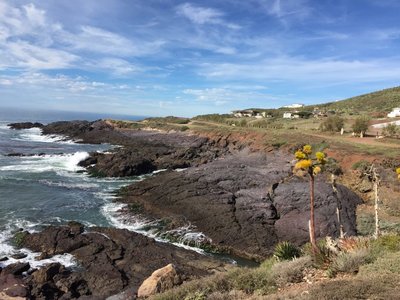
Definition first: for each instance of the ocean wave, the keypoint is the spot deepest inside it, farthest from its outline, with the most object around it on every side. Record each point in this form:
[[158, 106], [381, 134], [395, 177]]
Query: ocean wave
[[45, 163], [186, 237], [69, 185], [35, 135], [8, 250]]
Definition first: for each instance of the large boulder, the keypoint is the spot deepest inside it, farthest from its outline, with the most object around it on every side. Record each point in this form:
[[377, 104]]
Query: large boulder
[[12, 287], [160, 280], [292, 201], [243, 203]]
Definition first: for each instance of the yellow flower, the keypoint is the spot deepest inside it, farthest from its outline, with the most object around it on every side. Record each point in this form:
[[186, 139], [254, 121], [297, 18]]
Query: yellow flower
[[300, 155], [316, 170], [307, 149], [398, 171], [303, 164], [320, 156]]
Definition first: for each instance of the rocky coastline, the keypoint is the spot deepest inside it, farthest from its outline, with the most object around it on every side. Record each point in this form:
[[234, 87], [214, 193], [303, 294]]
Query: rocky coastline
[[242, 202]]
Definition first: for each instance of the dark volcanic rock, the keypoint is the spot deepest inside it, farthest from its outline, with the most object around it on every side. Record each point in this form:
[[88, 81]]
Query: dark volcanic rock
[[226, 199], [90, 132], [12, 286], [16, 269], [292, 202], [111, 260], [143, 151], [25, 125], [233, 202]]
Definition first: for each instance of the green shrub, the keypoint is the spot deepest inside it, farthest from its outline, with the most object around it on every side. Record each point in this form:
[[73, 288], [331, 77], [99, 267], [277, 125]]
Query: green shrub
[[286, 251], [390, 130], [349, 262], [290, 271], [387, 263], [323, 257], [361, 165], [184, 128], [332, 124], [386, 243]]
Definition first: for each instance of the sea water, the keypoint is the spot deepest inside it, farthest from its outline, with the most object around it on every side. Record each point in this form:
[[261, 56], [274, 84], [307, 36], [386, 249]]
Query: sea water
[[46, 186]]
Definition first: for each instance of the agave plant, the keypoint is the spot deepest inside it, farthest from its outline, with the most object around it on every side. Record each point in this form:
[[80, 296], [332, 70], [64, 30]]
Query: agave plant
[[286, 251]]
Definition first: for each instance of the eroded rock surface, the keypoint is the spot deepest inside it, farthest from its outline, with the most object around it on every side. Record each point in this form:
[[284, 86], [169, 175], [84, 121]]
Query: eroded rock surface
[[245, 202], [110, 261]]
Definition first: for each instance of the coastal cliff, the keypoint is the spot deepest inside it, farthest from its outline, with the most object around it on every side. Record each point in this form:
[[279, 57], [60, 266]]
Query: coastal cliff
[[237, 198]]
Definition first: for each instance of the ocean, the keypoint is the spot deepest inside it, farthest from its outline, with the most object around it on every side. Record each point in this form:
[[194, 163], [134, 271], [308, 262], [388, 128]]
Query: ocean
[[47, 187]]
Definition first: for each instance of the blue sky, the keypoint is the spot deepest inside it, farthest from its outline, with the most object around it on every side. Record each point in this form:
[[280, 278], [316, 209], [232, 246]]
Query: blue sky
[[168, 57]]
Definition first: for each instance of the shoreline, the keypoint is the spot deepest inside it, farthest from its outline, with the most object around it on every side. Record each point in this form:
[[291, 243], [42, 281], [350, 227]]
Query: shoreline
[[230, 185]]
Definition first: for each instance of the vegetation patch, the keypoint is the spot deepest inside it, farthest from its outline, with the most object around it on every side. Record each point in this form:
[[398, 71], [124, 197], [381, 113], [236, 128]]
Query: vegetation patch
[[18, 238], [286, 251]]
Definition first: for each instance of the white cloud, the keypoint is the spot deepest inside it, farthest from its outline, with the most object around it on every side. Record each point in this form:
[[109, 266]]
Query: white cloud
[[116, 65], [5, 82], [385, 34], [60, 83], [299, 70], [34, 15], [93, 39], [221, 96], [204, 15], [30, 41], [21, 54], [285, 9]]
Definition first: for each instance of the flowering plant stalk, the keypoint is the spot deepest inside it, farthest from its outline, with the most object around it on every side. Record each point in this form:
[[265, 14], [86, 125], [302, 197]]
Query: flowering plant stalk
[[311, 165]]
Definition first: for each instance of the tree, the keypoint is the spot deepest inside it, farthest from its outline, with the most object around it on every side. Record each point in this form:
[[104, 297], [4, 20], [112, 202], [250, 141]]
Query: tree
[[332, 123], [311, 165], [390, 130], [360, 125]]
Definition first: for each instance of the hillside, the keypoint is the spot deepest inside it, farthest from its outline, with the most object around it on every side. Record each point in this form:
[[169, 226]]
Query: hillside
[[380, 101]]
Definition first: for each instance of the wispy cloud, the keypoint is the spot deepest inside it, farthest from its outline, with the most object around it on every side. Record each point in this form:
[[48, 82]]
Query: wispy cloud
[[204, 15], [93, 39], [220, 96], [21, 54], [292, 69], [286, 8]]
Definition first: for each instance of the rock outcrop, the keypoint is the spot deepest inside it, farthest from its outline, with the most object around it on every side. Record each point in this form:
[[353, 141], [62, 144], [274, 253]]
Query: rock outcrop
[[12, 287], [110, 261], [25, 125], [245, 202]]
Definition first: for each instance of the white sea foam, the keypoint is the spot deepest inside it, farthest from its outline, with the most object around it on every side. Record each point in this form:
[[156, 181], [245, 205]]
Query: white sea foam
[[38, 164], [35, 135], [6, 249], [81, 186], [118, 217]]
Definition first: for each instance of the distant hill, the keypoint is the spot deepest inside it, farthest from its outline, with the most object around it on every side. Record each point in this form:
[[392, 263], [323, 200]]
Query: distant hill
[[380, 101]]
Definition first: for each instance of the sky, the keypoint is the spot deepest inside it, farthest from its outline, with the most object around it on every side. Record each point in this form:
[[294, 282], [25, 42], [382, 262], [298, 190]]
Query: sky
[[170, 57]]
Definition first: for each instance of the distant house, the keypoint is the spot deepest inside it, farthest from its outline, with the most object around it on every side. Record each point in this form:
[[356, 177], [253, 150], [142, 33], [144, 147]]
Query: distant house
[[291, 115], [317, 113], [287, 115], [394, 113], [243, 113]]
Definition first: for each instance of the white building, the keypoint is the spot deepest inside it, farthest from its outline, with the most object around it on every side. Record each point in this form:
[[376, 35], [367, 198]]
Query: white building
[[394, 113], [287, 115]]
